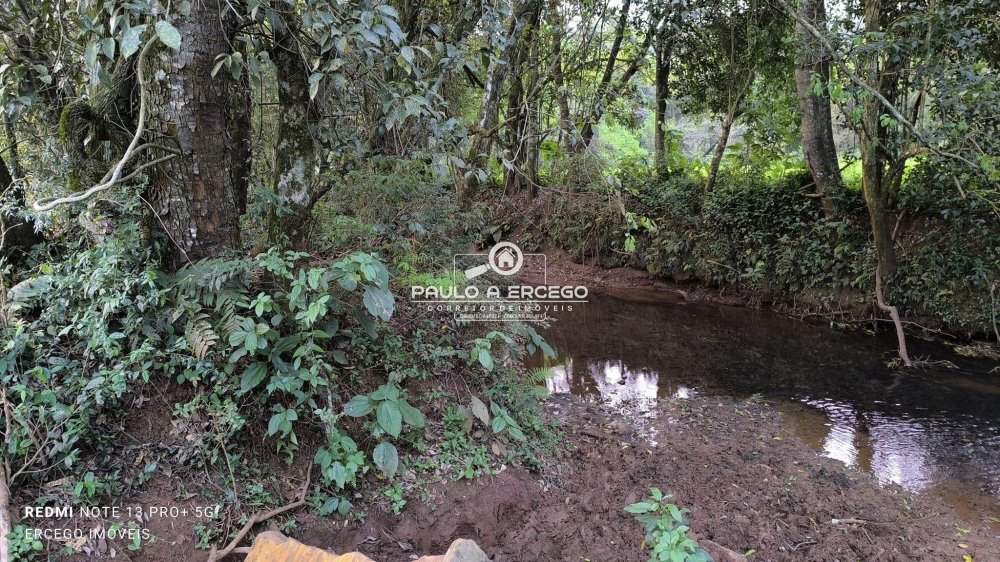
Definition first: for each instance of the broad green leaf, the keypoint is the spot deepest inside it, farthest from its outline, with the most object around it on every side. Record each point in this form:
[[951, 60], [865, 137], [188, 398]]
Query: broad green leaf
[[131, 39], [640, 507], [108, 47], [252, 376], [380, 303], [389, 418], [412, 416], [338, 474], [168, 34], [386, 459], [485, 359], [359, 406]]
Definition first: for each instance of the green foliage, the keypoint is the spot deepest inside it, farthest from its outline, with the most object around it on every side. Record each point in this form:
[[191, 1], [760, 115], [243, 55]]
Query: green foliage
[[23, 548], [666, 529], [765, 234]]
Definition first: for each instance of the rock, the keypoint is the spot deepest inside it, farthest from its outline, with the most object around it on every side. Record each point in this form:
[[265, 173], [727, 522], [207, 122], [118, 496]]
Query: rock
[[464, 550], [272, 546], [721, 553]]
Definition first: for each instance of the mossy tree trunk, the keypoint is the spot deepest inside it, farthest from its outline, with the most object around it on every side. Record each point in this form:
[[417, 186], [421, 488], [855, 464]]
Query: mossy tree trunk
[[195, 195], [488, 122], [521, 173], [18, 235], [296, 151], [818, 146]]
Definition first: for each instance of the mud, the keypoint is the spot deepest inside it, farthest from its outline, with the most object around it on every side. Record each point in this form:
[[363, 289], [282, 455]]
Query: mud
[[750, 484]]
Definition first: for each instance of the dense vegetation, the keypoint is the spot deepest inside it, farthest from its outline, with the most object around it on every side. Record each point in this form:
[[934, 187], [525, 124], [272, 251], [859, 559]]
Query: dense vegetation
[[211, 208]]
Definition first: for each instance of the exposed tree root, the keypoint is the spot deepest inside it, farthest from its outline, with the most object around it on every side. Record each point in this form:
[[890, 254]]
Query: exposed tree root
[[904, 356], [215, 555]]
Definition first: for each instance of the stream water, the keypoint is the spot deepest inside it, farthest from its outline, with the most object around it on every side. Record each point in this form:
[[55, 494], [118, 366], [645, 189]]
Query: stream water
[[934, 431]]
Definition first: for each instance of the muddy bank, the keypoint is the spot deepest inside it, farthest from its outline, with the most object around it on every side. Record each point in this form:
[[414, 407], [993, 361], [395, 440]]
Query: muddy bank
[[847, 308], [750, 484]]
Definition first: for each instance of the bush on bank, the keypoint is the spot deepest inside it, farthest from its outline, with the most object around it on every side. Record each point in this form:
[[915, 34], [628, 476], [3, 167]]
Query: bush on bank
[[770, 236]]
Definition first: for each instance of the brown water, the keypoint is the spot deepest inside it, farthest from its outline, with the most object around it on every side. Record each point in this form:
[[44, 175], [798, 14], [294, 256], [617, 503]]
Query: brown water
[[932, 431]]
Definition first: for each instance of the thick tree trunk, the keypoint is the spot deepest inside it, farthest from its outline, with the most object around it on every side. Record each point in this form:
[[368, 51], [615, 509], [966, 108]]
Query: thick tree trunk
[[520, 176], [196, 197], [295, 151], [817, 124]]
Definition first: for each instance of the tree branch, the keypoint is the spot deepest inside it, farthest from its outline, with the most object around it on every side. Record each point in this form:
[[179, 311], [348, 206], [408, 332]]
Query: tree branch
[[49, 203]]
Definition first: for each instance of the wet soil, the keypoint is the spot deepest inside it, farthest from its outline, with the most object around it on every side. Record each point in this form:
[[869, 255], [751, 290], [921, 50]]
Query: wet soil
[[750, 483]]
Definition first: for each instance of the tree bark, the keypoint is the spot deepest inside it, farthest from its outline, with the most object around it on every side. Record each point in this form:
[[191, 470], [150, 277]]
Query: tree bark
[[5, 525], [875, 183], [720, 146], [873, 154], [295, 152], [608, 89], [664, 52], [818, 147], [567, 131], [487, 124], [520, 175], [196, 196], [17, 236]]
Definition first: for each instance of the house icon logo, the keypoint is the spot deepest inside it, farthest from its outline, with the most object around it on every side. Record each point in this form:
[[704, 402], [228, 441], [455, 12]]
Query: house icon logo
[[505, 258]]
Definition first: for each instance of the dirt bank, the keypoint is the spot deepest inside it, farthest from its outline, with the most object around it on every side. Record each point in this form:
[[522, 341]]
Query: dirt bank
[[750, 484]]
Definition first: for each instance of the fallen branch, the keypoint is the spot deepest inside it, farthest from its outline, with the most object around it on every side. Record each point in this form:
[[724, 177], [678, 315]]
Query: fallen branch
[[216, 555]]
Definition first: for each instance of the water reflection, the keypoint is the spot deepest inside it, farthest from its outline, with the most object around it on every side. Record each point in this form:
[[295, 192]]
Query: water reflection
[[933, 431]]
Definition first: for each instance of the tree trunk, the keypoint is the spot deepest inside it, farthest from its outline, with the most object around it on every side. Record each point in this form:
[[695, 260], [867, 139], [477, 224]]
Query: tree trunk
[[567, 131], [196, 196], [874, 181], [5, 525], [720, 148], [817, 124], [664, 48], [295, 151], [16, 235], [489, 114], [873, 155], [519, 176], [604, 86]]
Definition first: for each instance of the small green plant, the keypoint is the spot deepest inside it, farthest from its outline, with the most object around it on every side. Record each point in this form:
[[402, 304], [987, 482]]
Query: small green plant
[[395, 494], [23, 547], [666, 530]]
